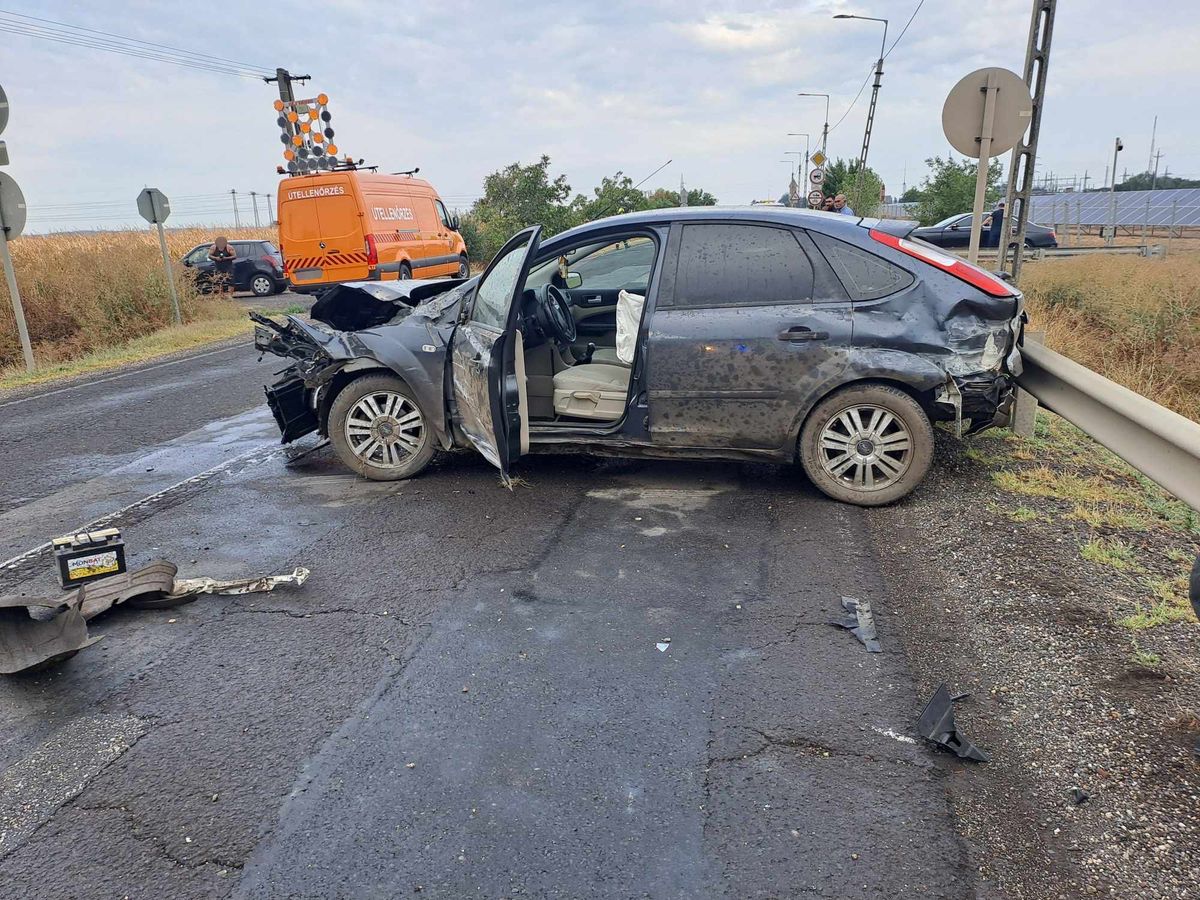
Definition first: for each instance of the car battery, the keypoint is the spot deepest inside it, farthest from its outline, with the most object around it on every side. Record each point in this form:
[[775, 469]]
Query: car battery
[[87, 556]]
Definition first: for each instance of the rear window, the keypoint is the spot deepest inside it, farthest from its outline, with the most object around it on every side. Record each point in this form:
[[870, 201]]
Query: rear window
[[864, 275], [741, 265]]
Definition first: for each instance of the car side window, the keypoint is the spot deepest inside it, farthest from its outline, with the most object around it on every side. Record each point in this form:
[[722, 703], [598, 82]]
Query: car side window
[[495, 293], [864, 275], [442, 214], [722, 264], [199, 255]]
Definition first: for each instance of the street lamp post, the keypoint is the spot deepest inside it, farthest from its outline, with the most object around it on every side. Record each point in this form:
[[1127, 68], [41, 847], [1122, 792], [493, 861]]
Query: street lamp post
[[825, 131], [805, 136], [862, 157], [1112, 196]]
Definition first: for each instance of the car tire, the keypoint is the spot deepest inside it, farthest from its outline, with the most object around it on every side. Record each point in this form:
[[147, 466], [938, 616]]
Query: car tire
[[405, 272], [262, 285], [368, 411], [852, 456], [464, 268]]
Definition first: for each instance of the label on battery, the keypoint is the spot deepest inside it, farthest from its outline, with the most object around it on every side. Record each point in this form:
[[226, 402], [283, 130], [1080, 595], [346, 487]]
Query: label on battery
[[95, 564]]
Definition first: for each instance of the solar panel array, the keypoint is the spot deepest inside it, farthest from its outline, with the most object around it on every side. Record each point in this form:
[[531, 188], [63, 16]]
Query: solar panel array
[[1180, 206]]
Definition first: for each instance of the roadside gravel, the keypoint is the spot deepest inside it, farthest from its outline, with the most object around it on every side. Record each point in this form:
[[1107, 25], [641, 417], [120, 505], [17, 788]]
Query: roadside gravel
[[1063, 694]]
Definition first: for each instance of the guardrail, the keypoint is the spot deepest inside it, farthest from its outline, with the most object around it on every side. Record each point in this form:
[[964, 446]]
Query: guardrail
[[1159, 443], [1034, 253]]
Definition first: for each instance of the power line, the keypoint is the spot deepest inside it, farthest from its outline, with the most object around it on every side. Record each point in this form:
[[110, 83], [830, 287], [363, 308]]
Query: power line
[[872, 71], [904, 29], [130, 40], [132, 47], [856, 96]]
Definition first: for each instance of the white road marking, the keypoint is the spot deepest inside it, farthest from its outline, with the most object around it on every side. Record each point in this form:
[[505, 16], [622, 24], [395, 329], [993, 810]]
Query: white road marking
[[894, 735], [33, 789], [109, 518], [74, 387]]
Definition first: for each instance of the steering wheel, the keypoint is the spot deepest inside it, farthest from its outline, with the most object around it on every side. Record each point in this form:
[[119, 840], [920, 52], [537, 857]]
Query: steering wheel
[[555, 317]]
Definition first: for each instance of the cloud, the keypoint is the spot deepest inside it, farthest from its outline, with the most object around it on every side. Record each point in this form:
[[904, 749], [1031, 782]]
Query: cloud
[[462, 88]]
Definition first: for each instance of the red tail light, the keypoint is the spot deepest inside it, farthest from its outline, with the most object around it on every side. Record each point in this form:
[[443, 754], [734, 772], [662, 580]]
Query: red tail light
[[270, 260], [372, 252], [959, 268]]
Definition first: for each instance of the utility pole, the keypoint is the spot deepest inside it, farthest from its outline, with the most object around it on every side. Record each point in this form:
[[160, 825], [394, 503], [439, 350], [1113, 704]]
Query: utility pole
[[284, 79], [1154, 177], [237, 221], [270, 212], [1112, 196], [254, 206], [1153, 135], [683, 197], [1085, 180], [1024, 156]]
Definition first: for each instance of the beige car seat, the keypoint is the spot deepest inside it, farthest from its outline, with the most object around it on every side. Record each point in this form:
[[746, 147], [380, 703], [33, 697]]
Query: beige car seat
[[597, 390]]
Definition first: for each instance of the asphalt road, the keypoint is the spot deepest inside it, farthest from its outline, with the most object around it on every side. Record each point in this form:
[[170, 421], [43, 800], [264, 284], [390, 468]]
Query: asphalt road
[[615, 680]]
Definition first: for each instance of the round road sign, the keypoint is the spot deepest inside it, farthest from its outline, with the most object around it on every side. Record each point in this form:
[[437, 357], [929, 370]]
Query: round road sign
[[962, 114], [3, 109], [815, 198], [816, 176], [12, 207]]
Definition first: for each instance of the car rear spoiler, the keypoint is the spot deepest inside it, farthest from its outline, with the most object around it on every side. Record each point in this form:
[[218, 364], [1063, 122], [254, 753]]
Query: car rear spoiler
[[900, 228]]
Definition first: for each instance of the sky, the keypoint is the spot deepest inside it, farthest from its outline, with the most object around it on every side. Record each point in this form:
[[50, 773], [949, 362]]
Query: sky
[[461, 89]]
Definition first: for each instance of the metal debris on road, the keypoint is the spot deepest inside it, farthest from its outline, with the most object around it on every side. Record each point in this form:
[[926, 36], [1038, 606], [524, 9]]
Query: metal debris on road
[[859, 621], [189, 587], [36, 632], [936, 724]]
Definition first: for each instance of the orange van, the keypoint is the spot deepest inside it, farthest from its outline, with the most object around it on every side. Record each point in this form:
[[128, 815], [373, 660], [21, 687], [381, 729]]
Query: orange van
[[360, 226]]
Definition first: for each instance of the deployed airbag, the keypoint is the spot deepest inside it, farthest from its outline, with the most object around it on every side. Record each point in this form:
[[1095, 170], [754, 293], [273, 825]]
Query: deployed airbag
[[629, 319]]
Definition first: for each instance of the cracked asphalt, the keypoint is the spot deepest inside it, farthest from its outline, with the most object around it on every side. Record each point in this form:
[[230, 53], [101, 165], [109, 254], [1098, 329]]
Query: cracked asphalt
[[468, 698]]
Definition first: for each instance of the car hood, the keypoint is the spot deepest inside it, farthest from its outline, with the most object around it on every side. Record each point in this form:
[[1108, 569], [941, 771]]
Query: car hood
[[366, 304]]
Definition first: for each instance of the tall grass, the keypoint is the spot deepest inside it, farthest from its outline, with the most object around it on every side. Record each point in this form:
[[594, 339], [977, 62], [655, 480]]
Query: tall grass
[[91, 291], [1132, 319]]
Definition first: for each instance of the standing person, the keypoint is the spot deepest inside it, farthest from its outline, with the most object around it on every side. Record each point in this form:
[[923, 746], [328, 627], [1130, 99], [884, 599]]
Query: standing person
[[222, 256], [995, 225], [839, 205], [827, 206]]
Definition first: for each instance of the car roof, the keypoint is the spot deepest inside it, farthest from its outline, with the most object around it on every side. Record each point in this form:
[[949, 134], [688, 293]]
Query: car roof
[[830, 223]]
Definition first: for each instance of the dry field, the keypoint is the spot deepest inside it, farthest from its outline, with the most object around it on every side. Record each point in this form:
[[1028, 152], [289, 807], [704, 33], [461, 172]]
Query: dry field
[[84, 292], [1134, 320]]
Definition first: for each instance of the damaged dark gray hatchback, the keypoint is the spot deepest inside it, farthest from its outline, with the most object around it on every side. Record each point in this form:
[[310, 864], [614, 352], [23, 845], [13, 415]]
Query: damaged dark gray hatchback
[[763, 334]]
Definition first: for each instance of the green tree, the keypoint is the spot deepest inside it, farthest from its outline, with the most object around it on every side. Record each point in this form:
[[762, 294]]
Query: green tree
[[949, 188], [913, 195], [615, 195], [1144, 180], [862, 194], [516, 197], [699, 197]]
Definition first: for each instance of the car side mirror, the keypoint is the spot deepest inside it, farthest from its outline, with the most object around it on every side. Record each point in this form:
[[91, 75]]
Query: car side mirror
[[574, 280], [187, 263], [954, 227], [455, 222]]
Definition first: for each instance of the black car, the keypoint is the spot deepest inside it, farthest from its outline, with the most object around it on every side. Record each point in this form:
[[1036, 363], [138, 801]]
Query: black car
[[758, 334], [257, 267], [954, 233]]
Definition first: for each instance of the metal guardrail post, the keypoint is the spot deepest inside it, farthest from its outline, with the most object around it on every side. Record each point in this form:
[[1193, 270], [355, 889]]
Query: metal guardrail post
[[1025, 405], [1161, 444]]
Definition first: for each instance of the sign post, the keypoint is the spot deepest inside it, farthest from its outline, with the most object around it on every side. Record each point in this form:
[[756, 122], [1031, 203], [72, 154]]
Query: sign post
[[154, 207], [12, 223], [985, 115]]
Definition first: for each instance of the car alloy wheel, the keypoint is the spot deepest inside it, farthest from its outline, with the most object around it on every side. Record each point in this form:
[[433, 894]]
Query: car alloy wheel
[[866, 448], [384, 429], [262, 286]]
